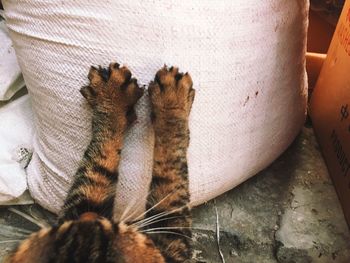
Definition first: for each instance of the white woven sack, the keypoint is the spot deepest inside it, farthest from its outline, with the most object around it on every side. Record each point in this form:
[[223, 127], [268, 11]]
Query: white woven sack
[[11, 79], [246, 58], [16, 132]]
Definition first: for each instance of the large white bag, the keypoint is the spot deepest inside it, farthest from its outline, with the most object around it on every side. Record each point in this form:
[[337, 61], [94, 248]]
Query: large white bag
[[246, 58], [11, 79], [16, 132]]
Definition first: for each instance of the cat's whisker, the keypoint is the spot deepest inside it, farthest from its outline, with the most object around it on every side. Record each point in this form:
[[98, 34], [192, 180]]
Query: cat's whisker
[[151, 217], [154, 219], [156, 205], [140, 223], [157, 221], [162, 214], [136, 209], [125, 217]]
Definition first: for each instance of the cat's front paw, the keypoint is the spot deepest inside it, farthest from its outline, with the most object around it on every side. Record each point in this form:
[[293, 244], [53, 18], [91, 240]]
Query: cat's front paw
[[112, 94], [171, 94]]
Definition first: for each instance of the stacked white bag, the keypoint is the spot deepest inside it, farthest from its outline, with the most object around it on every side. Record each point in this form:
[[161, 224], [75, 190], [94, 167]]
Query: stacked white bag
[[16, 125], [246, 58], [11, 79]]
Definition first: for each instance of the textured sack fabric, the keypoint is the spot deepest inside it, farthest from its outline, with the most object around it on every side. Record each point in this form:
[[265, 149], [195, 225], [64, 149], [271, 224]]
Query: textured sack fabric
[[246, 59]]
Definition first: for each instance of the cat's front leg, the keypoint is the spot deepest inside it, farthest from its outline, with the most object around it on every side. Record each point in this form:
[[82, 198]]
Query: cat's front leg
[[171, 95], [112, 94]]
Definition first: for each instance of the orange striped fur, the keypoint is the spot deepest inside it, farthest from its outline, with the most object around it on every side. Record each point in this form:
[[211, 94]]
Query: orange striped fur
[[86, 231]]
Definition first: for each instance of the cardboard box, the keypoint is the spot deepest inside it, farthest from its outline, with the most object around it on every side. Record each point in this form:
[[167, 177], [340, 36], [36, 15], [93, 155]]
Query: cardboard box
[[314, 63], [330, 109], [320, 33]]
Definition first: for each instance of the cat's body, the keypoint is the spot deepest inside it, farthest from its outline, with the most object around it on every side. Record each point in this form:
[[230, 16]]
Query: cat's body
[[86, 231]]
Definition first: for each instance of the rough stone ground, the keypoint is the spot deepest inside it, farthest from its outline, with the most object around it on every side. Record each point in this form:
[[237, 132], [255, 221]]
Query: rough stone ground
[[287, 213]]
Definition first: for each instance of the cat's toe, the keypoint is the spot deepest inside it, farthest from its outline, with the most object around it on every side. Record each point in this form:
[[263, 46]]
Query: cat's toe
[[171, 91], [119, 76]]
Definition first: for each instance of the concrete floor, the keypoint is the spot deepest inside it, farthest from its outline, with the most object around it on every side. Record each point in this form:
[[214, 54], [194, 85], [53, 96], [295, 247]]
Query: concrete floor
[[287, 213]]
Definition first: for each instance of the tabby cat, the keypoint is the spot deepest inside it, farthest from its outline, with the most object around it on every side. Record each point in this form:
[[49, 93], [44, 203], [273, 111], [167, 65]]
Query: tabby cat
[[85, 231]]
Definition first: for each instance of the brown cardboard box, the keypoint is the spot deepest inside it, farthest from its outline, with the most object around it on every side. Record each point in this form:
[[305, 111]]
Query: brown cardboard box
[[330, 109], [319, 34], [314, 63]]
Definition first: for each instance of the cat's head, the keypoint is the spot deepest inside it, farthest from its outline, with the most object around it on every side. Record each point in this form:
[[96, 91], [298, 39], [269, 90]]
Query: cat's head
[[89, 239]]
